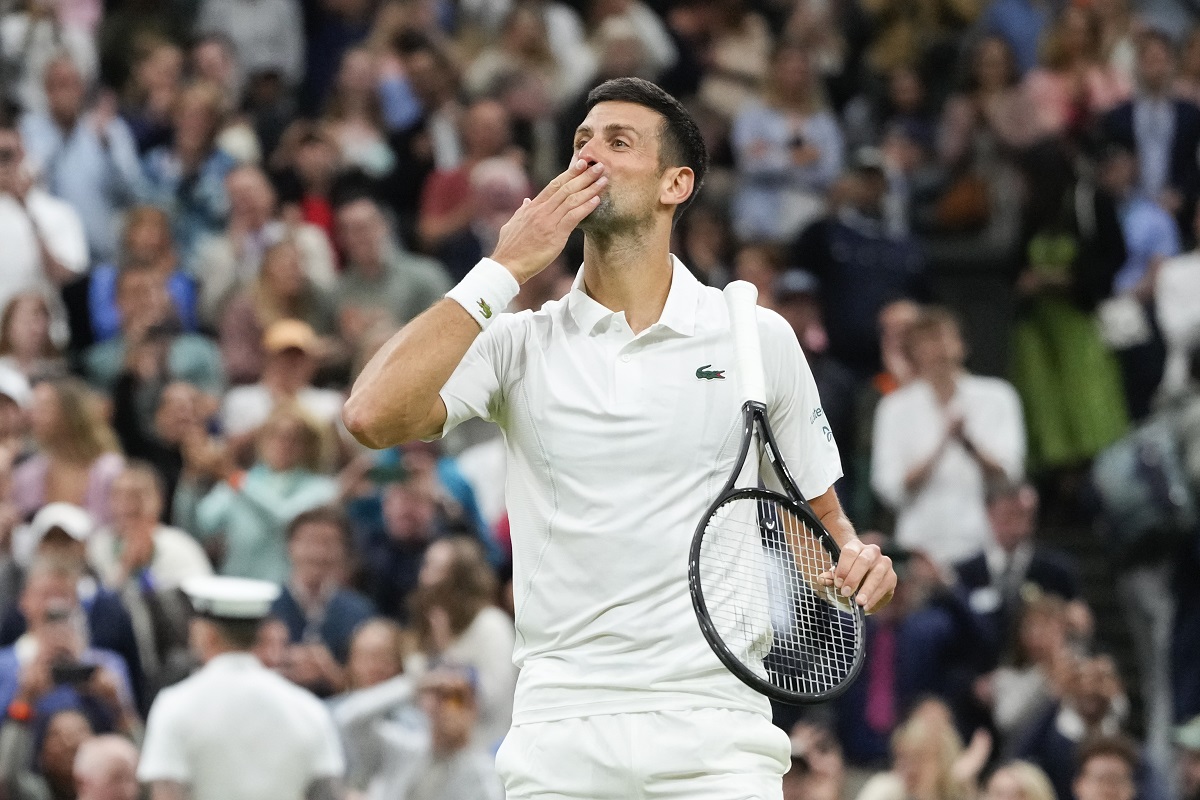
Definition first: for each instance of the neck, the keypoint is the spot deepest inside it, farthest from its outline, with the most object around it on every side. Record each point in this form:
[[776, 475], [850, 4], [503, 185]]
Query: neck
[[279, 382], [943, 384], [630, 274]]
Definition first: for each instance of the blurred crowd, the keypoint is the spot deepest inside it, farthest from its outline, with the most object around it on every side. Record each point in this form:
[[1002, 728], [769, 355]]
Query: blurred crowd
[[979, 216]]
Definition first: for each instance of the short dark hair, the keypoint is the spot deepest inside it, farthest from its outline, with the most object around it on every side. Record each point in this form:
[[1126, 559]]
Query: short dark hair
[[1116, 746], [681, 144], [240, 634], [322, 515]]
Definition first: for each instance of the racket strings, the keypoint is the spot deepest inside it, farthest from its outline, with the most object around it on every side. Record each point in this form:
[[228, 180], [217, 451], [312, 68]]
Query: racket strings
[[761, 568]]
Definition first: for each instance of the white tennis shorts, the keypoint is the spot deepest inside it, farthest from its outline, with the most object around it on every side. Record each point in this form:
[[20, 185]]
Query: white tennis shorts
[[705, 754]]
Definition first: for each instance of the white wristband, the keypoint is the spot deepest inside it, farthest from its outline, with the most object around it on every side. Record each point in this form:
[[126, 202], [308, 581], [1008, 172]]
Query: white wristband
[[485, 291]]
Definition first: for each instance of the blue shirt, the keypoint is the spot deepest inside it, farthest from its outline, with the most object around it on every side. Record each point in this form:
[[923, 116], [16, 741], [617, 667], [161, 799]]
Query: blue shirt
[[102, 301], [99, 179], [1150, 234], [198, 203]]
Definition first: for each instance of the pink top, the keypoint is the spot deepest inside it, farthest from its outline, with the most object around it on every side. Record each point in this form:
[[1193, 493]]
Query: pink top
[[29, 485], [1052, 97]]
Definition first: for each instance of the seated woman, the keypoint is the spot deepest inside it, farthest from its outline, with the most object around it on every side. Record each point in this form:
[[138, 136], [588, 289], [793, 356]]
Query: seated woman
[[249, 510], [77, 454], [25, 342]]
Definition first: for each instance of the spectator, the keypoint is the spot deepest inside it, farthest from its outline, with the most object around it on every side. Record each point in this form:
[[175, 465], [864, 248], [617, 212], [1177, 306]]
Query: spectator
[[145, 563], [1150, 238], [354, 115], [990, 112], [249, 510], [152, 343], [293, 350], [455, 763], [77, 456], [1010, 560], [817, 771], [266, 37], [1068, 380], [282, 291], [940, 439], [45, 244], [1018, 780], [1093, 705], [229, 262], [25, 343], [929, 761], [151, 93], [145, 244], [449, 203], [105, 768], [1161, 129], [788, 151], [383, 284], [523, 49], [455, 615], [1107, 767], [15, 396], [48, 771], [650, 29], [187, 175], [34, 34], [89, 679], [85, 157], [862, 267], [306, 165], [1073, 85], [1021, 688], [1186, 86], [319, 609]]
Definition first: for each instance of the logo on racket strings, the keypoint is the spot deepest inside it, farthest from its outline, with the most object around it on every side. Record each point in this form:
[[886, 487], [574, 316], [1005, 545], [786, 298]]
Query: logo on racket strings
[[706, 374]]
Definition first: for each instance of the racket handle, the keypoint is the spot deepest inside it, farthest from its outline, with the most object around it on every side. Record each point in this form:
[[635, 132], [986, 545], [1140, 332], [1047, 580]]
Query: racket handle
[[741, 297]]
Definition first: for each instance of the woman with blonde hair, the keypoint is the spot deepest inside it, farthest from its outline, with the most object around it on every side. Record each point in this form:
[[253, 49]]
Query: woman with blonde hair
[[1019, 780], [929, 761], [26, 345], [77, 458], [247, 513], [283, 290]]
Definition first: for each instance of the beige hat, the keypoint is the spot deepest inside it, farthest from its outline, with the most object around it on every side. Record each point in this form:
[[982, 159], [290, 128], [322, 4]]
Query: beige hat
[[288, 334]]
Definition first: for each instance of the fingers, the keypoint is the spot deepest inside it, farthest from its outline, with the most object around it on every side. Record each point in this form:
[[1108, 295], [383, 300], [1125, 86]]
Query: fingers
[[864, 568], [579, 184], [577, 169], [581, 204]]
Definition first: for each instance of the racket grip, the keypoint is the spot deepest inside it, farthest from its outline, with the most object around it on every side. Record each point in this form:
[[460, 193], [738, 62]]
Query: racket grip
[[741, 297]]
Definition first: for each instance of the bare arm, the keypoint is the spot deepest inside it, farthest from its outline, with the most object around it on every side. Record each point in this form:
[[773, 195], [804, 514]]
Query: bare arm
[[861, 567], [168, 790], [396, 399]]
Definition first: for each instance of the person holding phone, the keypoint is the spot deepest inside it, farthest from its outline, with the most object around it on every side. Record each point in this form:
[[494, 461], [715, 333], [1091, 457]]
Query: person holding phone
[[53, 666]]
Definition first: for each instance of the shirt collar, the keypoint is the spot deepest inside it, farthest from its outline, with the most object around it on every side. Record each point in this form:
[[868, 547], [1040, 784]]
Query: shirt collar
[[678, 314]]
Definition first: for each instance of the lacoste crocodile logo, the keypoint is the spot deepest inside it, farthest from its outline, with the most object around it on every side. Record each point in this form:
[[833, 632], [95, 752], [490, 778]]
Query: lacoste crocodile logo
[[485, 309], [706, 374]]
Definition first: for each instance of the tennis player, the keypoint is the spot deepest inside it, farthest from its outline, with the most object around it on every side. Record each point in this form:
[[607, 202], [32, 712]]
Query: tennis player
[[621, 417]]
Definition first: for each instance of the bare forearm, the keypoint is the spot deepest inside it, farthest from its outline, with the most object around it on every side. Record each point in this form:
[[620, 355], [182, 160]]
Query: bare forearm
[[396, 395]]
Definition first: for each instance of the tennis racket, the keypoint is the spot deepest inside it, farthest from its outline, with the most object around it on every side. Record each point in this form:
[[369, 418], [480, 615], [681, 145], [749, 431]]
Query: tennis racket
[[758, 556]]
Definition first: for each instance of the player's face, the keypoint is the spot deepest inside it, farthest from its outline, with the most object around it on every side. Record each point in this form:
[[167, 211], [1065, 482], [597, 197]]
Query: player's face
[[626, 138]]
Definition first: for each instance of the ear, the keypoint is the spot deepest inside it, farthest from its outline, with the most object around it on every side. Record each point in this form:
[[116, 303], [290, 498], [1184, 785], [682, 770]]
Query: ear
[[676, 186]]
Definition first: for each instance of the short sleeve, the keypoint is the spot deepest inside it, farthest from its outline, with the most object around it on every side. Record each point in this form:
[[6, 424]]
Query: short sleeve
[[328, 761], [794, 409], [476, 387], [164, 755]]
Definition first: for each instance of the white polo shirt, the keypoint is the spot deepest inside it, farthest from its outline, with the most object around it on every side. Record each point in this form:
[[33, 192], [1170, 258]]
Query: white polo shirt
[[237, 731], [616, 446]]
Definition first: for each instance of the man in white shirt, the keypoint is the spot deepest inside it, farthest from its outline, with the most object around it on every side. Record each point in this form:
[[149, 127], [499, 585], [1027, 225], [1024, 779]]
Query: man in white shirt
[[44, 246], [236, 730], [621, 427]]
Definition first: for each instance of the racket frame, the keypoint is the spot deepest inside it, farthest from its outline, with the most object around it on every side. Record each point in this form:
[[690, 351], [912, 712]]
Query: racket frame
[[755, 423]]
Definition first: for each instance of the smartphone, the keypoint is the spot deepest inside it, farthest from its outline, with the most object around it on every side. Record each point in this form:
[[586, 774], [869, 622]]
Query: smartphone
[[72, 672]]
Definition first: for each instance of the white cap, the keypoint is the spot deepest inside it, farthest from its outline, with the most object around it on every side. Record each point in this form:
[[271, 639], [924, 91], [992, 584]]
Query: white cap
[[68, 517], [15, 386], [230, 598]]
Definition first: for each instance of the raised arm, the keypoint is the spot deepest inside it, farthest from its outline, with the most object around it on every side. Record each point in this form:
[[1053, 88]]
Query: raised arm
[[396, 399]]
